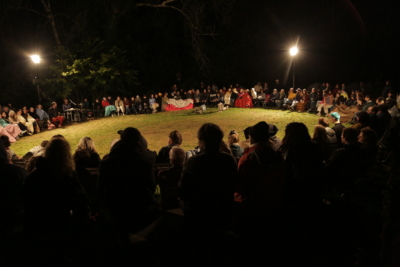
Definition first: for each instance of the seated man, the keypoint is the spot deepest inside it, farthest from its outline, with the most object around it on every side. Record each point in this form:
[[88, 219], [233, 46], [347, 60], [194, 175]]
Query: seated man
[[55, 116], [207, 184], [169, 179], [43, 116], [127, 181]]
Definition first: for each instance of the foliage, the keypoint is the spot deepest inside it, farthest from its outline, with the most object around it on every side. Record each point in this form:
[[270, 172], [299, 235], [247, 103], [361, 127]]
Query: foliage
[[94, 73]]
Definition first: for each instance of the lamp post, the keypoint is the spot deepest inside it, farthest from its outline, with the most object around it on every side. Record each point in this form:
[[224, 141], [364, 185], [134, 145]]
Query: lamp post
[[293, 51], [36, 60]]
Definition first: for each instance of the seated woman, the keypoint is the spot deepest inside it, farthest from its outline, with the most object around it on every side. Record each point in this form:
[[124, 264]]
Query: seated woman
[[11, 156], [244, 100], [119, 105], [164, 102], [10, 130], [34, 115], [127, 105], [280, 99], [152, 103], [146, 105], [205, 98], [29, 118], [26, 123], [98, 107], [220, 102], [66, 105], [13, 119], [274, 96], [197, 98], [227, 98], [51, 192], [320, 138], [233, 141], [133, 106], [108, 108], [138, 104], [326, 104], [86, 143], [306, 99]]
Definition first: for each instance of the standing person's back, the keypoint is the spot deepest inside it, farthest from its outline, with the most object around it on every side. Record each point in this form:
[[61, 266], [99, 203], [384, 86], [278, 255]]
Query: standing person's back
[[207, 183]]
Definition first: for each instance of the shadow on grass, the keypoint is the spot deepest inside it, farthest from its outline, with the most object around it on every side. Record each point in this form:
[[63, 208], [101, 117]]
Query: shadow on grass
[[208, 112]]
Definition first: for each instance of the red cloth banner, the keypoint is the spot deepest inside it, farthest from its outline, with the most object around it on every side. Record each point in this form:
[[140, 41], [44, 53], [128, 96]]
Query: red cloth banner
[[171, 107]]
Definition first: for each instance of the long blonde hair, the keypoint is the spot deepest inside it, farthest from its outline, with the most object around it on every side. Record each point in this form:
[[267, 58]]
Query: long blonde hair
[[87, 144]]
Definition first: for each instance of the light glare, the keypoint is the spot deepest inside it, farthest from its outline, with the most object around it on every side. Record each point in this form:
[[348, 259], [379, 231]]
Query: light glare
[[35, 58], [293, 51]]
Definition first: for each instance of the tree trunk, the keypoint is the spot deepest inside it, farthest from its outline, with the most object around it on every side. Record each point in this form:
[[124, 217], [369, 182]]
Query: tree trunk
[[50, 16]]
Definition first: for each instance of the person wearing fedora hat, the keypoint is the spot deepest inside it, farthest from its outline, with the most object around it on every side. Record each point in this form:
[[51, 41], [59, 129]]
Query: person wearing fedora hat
[[261, 177]]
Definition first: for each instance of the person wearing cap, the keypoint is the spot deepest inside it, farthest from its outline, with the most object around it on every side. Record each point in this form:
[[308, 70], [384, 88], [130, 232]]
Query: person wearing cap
[[338, 128], [55, 116], [261, 178]]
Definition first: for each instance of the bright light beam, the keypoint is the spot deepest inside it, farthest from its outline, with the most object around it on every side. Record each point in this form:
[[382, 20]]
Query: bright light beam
[[293, 51], [35, 59]]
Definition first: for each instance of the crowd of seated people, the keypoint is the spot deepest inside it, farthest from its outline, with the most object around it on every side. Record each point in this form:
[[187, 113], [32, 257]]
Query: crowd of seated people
[[324, 99], [262, 186]]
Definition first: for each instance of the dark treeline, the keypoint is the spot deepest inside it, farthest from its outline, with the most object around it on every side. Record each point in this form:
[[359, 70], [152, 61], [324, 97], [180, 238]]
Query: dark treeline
[[91, 48]]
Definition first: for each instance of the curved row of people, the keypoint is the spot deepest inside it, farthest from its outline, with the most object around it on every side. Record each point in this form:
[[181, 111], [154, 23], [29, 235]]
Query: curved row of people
[[254, 171]]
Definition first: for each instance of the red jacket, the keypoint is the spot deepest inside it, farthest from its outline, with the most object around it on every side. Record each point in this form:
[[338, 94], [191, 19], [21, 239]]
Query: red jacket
[[105, 103], [261, 179]]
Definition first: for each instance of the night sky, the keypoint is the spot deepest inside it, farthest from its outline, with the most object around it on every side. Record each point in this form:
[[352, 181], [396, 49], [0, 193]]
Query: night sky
[[339, 41]]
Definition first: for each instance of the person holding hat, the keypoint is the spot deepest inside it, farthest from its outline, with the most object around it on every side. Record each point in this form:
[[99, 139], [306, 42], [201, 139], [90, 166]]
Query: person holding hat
[[261, 178]]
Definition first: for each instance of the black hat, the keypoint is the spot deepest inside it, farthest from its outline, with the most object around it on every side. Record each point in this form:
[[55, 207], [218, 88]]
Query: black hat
[[260, 132]]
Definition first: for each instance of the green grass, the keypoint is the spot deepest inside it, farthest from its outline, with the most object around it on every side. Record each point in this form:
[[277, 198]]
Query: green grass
[[156, 127]]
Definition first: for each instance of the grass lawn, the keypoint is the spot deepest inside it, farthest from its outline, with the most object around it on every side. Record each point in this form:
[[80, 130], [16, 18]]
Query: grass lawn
[[156, 127]]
